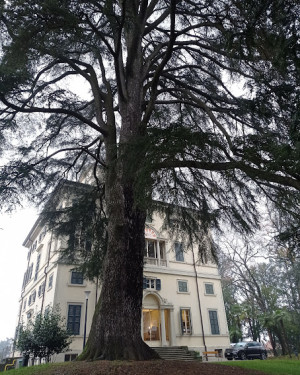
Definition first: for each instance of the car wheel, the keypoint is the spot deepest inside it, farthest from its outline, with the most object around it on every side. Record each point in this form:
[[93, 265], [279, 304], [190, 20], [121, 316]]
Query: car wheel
[[243, 356], [230, 359], [263, 356]]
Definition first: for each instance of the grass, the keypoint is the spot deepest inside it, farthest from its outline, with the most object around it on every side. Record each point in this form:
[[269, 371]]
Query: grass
[[278, 366], [33, 370]]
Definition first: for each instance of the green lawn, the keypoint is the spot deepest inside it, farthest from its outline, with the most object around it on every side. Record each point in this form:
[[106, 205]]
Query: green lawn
[[34, 370], [270, 366]]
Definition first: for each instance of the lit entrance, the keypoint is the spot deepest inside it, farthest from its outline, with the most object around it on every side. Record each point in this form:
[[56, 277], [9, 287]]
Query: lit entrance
[[151, 325], [156, 321]]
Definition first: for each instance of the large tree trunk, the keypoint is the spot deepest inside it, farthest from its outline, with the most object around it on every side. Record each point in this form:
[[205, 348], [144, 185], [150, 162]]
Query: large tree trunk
[[116, 327]]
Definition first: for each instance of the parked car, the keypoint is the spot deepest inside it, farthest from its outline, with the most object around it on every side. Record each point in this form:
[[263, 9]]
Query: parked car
[[246, 350], [229, 353]]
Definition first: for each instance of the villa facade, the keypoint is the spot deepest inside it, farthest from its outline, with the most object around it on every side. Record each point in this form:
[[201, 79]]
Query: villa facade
[[182, 302]]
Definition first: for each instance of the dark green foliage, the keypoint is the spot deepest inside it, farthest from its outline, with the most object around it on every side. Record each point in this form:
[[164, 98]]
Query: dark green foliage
[[199, 135], [44, 336], [155, 108], [82, 222]]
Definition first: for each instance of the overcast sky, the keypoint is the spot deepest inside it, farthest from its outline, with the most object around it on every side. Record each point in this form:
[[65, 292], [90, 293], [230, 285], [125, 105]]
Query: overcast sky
[[13, 231]]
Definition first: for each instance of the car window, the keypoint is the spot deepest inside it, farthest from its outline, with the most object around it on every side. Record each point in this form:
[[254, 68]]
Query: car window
[[240, 344]]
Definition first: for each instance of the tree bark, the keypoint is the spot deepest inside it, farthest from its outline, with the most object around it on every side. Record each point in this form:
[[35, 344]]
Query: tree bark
[[116, 328]]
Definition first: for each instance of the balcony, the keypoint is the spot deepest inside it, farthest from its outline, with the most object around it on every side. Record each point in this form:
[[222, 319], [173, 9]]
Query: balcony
[[155, 262]]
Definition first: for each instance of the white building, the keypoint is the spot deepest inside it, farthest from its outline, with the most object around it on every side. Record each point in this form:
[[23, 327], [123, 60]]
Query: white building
[[182, 303]]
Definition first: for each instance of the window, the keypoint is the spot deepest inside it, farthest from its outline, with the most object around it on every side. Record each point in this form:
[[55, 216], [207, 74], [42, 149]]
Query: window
[[42, 234], [31, 298], [74, 315], [47, 309], [37, 267], [41, 289], [149, 283], [162, 250], [50, 283], [30, 271], [70, 357], [179, 252], [185, 316], [33, 246], [150, 250], [214, 324], [27, 275], [182, 286], [209, 289], [76, 277], [155, 252], [79, 240]]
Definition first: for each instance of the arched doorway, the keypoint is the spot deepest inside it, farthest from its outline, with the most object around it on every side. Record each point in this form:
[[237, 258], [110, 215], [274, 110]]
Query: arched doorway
[[156, 321]]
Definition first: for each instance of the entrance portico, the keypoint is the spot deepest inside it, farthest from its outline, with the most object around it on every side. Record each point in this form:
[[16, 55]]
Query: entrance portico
[[157, 321]]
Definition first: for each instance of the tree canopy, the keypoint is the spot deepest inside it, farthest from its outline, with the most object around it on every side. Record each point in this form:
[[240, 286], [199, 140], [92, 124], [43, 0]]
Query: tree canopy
[[180, 57], [145, 89]]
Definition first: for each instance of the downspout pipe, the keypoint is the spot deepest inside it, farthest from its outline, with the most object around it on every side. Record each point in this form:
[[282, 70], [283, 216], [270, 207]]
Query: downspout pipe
[[46, 271], [199, 302]]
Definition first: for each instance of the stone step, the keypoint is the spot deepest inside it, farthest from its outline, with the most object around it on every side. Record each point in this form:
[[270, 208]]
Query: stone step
[[174, 353]]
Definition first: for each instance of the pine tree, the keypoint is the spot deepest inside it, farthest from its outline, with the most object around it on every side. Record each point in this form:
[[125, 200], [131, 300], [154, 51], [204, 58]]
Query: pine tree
[[153, 106]]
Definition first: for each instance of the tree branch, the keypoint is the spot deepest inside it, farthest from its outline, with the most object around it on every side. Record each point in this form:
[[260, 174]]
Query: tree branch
[[251, 172]]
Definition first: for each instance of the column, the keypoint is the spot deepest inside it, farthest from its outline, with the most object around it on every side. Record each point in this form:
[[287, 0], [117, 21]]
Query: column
[[142, 325], [163, 327], [172, 329], [158, 252]]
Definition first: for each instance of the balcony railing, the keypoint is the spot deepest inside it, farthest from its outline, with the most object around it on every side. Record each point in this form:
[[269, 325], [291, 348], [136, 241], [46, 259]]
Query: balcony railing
[[155, 262]]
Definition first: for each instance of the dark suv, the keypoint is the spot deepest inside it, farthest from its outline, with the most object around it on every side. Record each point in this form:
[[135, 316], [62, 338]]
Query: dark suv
[[248, 350]]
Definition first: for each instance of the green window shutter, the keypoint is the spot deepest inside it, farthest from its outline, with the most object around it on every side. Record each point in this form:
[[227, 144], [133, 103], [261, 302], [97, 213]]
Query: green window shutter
[[214, 324], [37, 267], [73, 322], [144, 283]]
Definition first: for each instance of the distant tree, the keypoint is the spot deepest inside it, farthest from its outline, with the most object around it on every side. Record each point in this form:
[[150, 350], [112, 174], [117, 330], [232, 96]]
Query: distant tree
[[5, 348], [265, 306], [24, 342], [159, 115], [43, 337]]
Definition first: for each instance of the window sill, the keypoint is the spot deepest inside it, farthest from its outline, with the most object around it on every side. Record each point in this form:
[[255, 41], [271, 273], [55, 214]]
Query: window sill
[[77, 285]]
